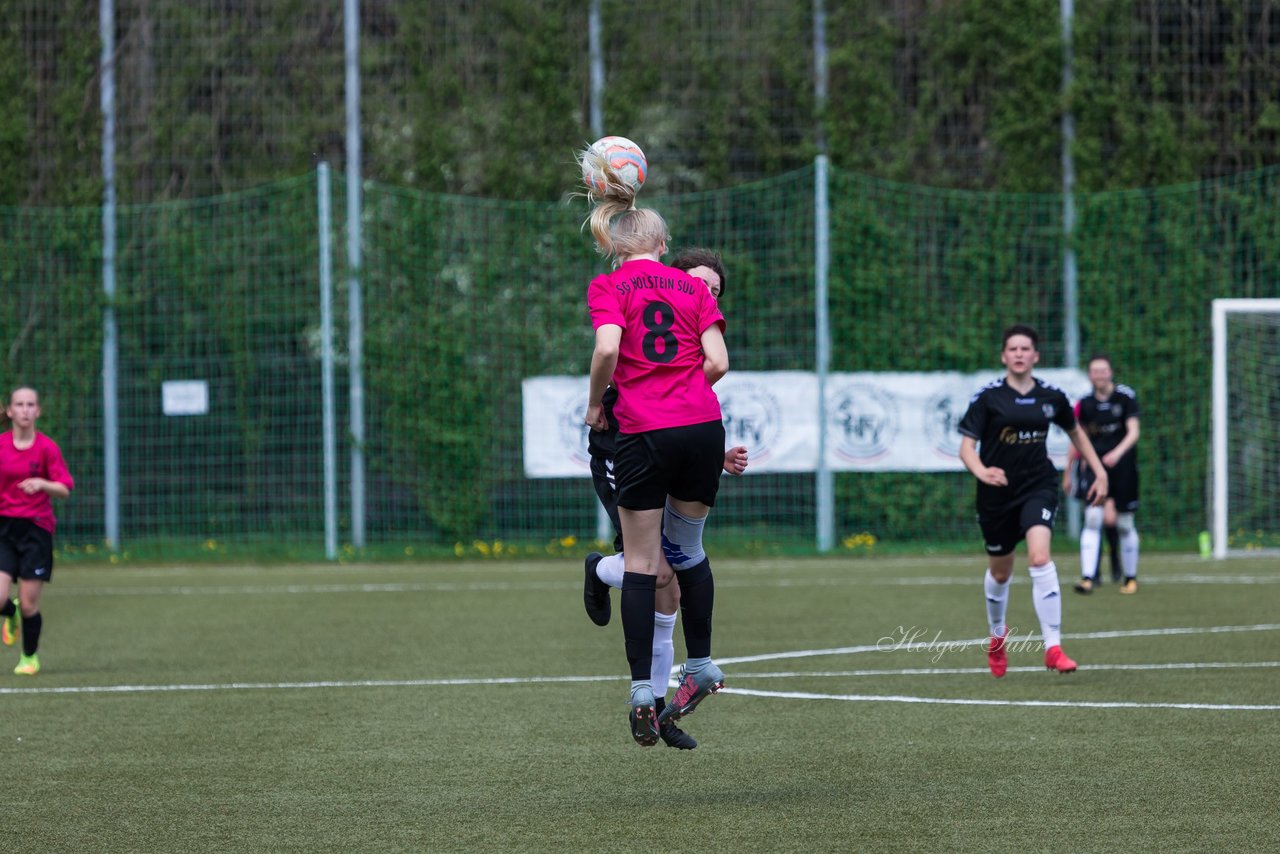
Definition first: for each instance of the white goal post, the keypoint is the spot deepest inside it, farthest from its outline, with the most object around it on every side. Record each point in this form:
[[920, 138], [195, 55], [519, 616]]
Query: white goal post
[[1224, 416]]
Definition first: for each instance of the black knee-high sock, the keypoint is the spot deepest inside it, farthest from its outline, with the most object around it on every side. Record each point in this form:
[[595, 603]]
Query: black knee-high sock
[[7, 607], [637, 622], [1113, 543], [31, 633], [697, 598]]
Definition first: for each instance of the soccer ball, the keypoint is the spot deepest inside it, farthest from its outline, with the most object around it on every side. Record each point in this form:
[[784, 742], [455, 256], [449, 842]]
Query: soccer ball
[[616, 161]]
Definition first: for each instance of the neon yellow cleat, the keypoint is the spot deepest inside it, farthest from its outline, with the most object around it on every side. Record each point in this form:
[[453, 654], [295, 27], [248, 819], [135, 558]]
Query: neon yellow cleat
[[9, 627], [28, 665]]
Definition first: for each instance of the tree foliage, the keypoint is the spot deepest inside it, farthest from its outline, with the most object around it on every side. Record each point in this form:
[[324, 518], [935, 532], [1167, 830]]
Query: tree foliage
[[492, 97]]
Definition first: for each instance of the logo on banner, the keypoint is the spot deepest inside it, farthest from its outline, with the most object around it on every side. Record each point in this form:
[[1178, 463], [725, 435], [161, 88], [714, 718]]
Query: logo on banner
[[1057, 443], [942, 415], [573, 430], [864, 422], [752, 417]]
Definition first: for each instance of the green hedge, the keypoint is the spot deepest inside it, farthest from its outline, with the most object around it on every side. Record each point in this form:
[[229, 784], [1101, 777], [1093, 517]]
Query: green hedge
[[463, 298]]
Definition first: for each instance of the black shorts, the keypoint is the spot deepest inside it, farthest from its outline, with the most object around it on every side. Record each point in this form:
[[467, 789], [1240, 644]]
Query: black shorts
[[1122, 482], [1004, 528], [683, 462], [26, 549], [602, 478]]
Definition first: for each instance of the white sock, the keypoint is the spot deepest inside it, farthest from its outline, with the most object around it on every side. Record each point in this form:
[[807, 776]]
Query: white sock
[[609, 570], [1129, 553], [1090, 549], [997, 604], [1047, 597], [664, 652], [1091, 542]]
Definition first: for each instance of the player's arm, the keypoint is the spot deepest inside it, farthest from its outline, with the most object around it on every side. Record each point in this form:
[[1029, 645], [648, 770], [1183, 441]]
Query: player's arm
[[735, 460], [603, 360], [52, 488], [58, 483], [1072, 456], [989, 475], [1130, 439], [1098, 489], [715, 356]]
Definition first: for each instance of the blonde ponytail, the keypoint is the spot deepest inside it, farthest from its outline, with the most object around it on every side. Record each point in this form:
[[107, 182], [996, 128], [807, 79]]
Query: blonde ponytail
[[620, 229], [601, 222]]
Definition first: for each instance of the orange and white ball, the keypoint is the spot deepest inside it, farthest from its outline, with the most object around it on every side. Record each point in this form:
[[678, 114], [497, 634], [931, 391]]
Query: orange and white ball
[[614, 160]]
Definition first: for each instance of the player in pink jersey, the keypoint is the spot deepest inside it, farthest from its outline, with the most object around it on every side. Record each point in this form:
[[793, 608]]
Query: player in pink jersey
[[31, 471], [603, 572], [659, 339]]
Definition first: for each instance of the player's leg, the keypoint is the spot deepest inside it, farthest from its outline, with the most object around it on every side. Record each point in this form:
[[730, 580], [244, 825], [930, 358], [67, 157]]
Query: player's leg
[[8, 578], [682, 543], [1112, 536], [609, 570], [595, 593], [664, 651], [1046, 595], [666, 603], [29, 591], [692, 495], [1128, 552], [1000, 535], [1126, 497], [997, 595], [641, 529], [643, 479], [595, 590], [1090, 549], [35, 561]]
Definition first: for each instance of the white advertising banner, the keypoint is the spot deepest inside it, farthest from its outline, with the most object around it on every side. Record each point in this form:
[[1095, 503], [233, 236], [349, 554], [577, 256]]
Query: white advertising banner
[[875, 421], [910, 421], [555, 437], [772, 413]]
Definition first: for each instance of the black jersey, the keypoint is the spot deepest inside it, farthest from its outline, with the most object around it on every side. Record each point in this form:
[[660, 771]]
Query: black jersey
[[1104, 420], [1011, 429]]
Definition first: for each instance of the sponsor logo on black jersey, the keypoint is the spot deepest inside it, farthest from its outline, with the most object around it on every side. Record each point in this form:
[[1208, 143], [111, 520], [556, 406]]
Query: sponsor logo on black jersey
[[1014, 436]]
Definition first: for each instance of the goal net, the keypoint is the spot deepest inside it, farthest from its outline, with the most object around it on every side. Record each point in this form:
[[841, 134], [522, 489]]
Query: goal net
[[1246, 426]]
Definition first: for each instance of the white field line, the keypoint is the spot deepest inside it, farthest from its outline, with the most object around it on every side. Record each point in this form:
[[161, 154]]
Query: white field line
[[490, 586], [1055, 704], [938, 646], [949, 671], [536, 680]]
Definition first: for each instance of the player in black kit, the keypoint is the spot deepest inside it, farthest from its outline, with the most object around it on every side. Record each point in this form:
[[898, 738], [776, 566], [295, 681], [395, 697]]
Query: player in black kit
[[1109, 417], [1004, 433]]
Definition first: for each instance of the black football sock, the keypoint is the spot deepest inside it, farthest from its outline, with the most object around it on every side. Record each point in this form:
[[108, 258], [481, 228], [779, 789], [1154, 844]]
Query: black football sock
[[1113, 545], [31, 633], [7, 609], [637, 609], [697, 598]]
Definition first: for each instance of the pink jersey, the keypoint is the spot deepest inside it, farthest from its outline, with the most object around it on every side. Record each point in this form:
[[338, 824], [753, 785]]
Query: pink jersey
[[663, 313], [42, 459]]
